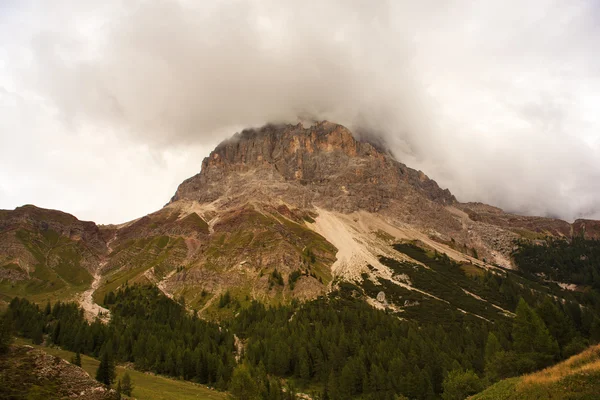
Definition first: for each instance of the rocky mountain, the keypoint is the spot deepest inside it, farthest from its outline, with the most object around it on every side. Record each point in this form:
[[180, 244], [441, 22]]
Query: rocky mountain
[[275, 213]]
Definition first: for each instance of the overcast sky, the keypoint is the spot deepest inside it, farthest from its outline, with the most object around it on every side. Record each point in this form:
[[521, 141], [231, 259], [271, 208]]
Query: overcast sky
[[106, 106]]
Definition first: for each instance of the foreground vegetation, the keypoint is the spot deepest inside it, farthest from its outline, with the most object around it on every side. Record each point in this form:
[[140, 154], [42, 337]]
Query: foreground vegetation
[[576, 378], [339, 347]]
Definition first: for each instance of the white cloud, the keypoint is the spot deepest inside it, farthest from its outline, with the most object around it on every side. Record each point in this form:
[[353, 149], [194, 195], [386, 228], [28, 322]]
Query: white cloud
[[496, 101]]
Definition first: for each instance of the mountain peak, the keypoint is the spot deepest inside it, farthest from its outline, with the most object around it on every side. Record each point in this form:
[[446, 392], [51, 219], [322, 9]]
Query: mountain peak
[[321, 165]]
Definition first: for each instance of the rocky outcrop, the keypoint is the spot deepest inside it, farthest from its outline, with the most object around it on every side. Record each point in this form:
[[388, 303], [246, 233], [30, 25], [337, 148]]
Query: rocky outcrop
[[27, 371], [323, 165]]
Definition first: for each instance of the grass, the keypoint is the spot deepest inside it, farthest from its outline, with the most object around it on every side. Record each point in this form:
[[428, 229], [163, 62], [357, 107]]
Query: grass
[[585, 362], [531, 235], [196, 222], [146, 386], [577, 378], [162, 252], [472, 270], [58, 273], [38, 292]]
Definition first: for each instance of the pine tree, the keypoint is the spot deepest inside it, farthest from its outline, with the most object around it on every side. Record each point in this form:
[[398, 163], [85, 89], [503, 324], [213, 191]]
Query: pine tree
[[76, 360], [48, 309], [492, 347], [242, 385], [37, 332], [458, 385], [332, 387], [557, 322], [6, 334], [106, 370], [56, 331], [126, 384], [530, 334]]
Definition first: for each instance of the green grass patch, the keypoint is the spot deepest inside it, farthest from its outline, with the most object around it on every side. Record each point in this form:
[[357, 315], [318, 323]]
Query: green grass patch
[[164, 253], [58, 272], [472, 270], [195, 222]]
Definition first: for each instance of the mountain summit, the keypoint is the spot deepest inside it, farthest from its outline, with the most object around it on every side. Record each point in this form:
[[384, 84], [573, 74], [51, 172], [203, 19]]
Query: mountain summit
[[322, 165]]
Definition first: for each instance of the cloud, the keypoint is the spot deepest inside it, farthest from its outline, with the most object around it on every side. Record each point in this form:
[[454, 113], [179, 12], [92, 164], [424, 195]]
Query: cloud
[[496, 102]]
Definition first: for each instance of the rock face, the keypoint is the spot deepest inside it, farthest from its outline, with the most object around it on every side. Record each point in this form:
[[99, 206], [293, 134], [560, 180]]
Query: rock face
[[322, 165]]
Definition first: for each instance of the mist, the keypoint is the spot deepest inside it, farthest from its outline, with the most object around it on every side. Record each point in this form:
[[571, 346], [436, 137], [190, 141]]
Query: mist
[[497, 102]]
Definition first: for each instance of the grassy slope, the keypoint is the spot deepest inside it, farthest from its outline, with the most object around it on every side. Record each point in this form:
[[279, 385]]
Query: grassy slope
[[58, 274], [146, 386], [577, 378], [161, 252], [249, 236]]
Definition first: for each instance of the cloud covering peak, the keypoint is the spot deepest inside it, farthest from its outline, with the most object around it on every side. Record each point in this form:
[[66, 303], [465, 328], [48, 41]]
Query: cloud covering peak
[[498, 102]]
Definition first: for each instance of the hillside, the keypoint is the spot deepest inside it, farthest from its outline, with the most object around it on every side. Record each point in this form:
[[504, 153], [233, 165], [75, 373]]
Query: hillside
[[47, 254], [275, 214], [576, 378]]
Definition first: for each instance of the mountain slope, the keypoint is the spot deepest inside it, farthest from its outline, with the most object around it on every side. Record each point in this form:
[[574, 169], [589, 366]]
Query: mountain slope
[[576, 378], [277, 213]]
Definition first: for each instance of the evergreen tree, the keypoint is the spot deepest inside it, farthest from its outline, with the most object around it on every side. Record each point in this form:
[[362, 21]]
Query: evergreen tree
[[557, 322], [48, 309], [242, 385], [530, 334], [106, 372], [37, 333], [126, 384], [6, 334], [331, 388], [492, 347], [76, 360], [459, 385]]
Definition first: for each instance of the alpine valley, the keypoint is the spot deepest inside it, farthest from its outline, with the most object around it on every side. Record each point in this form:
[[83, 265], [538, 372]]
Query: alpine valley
[[301, 259]]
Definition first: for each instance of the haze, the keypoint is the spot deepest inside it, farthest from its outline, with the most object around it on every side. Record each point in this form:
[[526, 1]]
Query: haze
[[106, 106]]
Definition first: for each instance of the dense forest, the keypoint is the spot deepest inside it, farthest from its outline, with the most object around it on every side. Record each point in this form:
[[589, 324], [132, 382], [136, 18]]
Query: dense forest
[[146, 328], [576, 261], [338, 346]]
